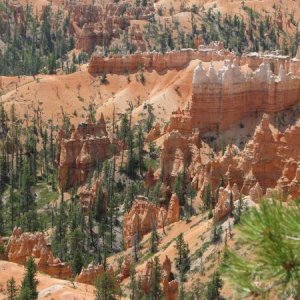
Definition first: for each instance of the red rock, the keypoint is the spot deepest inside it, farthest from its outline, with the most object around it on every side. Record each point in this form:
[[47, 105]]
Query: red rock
[[125, 268], [221, 99], [80, 153], [144, 216], [118, 64], [21, 246], [88, 275], [169, 284], [225, 202]]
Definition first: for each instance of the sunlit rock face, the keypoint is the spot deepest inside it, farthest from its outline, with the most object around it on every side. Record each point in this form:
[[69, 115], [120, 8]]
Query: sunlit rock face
[[22, 246], [221, 99], [81, 152], [145, 215]]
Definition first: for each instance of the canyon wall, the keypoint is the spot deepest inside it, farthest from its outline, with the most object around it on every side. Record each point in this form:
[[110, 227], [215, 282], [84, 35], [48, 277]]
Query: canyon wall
[[159, 62], [221, 99]]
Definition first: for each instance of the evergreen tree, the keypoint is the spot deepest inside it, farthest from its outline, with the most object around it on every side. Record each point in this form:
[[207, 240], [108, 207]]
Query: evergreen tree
[[179, 188], [28, 289], [155, 278], [272, 232], [107, 287], [182, 260], [213, 288], [154, 240], [11, 288]]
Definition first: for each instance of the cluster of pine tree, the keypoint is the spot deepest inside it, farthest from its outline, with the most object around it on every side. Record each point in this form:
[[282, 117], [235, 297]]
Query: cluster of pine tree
[[38, 44]]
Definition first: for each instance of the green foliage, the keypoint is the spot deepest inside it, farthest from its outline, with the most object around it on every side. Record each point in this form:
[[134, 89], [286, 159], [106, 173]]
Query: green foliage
[[207, 200], [39, 46], [213, 287], [28, 289], [179, 187], [182, 260], [255, 33], [155, 279], [11, 289], [154, 239], [272, 235], [107, 287], [216, 234]]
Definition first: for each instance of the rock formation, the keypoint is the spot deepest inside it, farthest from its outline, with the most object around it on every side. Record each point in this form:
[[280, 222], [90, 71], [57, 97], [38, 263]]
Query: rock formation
[[125, 268], [118, 64], [80, 152], [88, 275], [100, 24], [267, 164], [225, 203], [169, 284], [178, 151], [144, 216], [221, 99], [21, 246]]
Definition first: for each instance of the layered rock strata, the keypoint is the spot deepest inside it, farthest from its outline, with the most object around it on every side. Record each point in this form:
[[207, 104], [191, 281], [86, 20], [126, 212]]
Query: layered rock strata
[[153, 60], [221, 99]]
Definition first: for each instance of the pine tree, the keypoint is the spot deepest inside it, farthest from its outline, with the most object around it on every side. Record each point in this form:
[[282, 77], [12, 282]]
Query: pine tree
[[207, 197], [155, 278], [28, 289], [179, 188], [182, 260], [2, 229], [107, 287], [272, 232], [11, 288], [153, 240], [213, 288]]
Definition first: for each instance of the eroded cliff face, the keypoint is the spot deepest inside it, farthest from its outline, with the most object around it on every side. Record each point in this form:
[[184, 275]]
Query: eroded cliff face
[[118, 64], [81, 152], [21, 246], [267, 164], [221, 99], [145, 215]]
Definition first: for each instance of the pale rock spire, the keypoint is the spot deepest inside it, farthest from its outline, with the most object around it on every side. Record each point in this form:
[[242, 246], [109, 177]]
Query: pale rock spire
[[282, 73], [199, 75], [212, 74]]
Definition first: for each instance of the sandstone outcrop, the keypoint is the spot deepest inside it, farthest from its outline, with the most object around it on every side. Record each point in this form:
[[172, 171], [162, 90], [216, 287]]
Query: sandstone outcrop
[[144, 216], [225, 203], [88, 275], [21, 246], [221, 99], [169, 284], [80, 152], [178, 151], [88, 194], [267, 164], [154, 133], [101, 24], [118, 64], [125, 268]]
